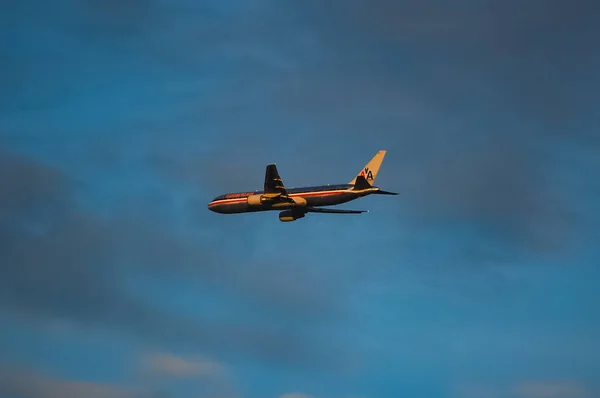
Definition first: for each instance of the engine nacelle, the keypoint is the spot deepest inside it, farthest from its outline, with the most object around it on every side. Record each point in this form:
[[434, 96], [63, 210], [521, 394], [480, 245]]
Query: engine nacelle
[[274, 202], [289, 215], [255, 200], [298, 201]]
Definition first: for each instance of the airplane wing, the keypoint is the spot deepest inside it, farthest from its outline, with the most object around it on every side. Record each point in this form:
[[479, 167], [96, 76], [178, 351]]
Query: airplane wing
[[333, 211], [273, 182]]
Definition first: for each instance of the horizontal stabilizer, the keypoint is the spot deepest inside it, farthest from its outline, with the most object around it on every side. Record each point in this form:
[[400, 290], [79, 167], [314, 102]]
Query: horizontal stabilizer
[[380, 192], [333, 211]]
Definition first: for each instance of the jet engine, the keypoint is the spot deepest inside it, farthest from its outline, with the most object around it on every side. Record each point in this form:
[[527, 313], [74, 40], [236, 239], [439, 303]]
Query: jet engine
[[258, 200], [298, 201], [290, 215], [276, 202], [255, 200]]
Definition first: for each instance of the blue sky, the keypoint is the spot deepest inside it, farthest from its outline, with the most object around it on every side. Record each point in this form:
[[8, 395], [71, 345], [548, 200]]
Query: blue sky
[[121, 120]]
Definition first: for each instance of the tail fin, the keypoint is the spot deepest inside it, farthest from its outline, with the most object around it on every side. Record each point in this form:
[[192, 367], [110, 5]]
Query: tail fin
[[369, 172], [361, 183]]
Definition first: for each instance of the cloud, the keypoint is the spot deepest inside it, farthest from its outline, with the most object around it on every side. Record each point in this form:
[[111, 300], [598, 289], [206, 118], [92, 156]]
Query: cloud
[[472, 105], [60, 261], [164, 371], [525, 389], [472, 101], [477, 391], [295, 395], [170, 365], [506, 55], [551, 389], [27, 384], [484, 109]]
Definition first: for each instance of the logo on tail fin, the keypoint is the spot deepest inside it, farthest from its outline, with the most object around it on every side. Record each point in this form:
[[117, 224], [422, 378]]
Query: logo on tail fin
[[367, 174]]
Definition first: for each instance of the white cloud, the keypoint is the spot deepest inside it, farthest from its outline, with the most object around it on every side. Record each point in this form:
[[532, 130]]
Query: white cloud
[[295, 395], [525, 389], [477, 391], [25, 384], [178, 367], [551, 389]]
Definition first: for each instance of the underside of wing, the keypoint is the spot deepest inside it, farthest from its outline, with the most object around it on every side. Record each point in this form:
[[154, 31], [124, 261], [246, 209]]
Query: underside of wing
[[333, 211], [273, 182]]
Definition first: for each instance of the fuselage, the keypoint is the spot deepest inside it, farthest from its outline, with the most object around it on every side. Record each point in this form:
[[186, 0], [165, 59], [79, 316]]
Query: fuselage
[[324, 195]]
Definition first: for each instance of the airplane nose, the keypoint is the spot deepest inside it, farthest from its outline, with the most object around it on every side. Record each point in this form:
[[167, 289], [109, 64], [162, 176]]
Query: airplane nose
[[210, 206]]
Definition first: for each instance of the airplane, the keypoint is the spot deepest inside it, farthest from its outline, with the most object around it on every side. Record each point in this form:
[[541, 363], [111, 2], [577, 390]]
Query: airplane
[[297, 202]]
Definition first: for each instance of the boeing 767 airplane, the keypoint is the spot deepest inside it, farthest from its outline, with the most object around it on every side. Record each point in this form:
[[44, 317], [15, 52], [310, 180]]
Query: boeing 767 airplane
[[296, 202]]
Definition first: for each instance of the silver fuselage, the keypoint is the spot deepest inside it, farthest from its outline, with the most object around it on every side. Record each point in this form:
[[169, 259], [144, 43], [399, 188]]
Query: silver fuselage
[[325, 195]]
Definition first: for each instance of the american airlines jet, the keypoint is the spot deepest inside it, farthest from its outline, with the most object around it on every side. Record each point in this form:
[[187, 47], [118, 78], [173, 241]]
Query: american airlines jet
[[294, 203]]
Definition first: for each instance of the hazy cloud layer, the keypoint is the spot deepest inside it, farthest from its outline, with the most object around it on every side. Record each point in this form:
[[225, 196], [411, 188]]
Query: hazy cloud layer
[[526, 389], [487, 159], [61, 262], [25, 384], [347, 77], [295, 395], [121, 120], [170, 365], [549, 389]]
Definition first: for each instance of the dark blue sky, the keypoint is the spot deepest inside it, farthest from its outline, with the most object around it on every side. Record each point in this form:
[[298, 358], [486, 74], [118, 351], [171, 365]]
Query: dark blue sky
[[121, 120]]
